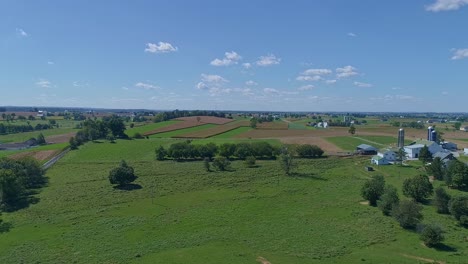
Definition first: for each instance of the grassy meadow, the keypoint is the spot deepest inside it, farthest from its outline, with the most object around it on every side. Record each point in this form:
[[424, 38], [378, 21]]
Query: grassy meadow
[[179, 213]]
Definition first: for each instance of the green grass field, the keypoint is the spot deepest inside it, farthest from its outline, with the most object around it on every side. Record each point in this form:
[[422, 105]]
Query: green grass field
[[349, 143], [175, 133], [183, 214], [59, 146], [21, 137], [233, 133]]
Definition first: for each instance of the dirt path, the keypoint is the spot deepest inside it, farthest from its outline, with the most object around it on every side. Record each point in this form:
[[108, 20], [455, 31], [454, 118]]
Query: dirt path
[[423, 259], [262, 260], [38, 155], [369, 141]]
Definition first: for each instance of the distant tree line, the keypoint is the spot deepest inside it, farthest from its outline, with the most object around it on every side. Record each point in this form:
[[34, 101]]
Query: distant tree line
[[164, 116], [108, 128], [412, 124], [17, 179], [12, 129], [185, 150]]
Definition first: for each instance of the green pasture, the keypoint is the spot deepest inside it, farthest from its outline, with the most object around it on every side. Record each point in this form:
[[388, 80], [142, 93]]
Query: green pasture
[[232, 133], [175, 133], [21, 137], [182, 214], [349, 143], [148, 127]]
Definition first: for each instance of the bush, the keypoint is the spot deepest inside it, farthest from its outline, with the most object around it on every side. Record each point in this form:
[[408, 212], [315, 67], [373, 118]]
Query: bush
[[432, 235], [137, 135], [206, 164], [160, 153], [122, 175], [464, 220], [408, 214], [388, 200], [41, 139], [373, 189], [250, 161], [221, 163], [309, 151]]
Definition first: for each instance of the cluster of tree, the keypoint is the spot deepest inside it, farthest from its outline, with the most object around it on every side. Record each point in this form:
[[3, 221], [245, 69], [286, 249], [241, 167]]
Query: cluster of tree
[[412, 124], [77, 116], [17, 177], [108, 128], [164, 116], [186, 150], [12, 129], [455, 173]]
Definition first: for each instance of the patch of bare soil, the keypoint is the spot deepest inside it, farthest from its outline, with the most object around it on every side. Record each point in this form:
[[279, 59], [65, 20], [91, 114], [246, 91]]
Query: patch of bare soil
[[262, 260], [63, 138], [38, 155], [423, 259], [364, 202]]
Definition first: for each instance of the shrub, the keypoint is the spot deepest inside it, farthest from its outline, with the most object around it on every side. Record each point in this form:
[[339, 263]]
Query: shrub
[[408, 214], [388, 200], [221, 163], [419, 188], [432, 235], [250, 161], [458, 207], [137, 135], [441, 200], [160, 153], [206, 164]]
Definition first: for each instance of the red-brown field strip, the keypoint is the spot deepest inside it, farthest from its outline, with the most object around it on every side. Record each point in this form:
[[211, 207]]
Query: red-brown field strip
[[272, 126], [215, 130], [192, 121]]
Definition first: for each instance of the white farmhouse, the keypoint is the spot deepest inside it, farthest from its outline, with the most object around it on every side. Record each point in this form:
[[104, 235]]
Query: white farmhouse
[[412, 151]]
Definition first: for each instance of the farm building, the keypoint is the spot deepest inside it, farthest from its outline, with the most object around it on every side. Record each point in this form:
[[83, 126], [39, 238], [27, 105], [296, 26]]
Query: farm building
[[449, 145], [445, 156], [465, 151], [465, 128], [366, 149], [412, 151], [378, 160]]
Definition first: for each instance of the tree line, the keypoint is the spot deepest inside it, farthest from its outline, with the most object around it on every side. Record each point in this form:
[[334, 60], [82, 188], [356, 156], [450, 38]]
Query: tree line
[[13, 129], [108, 128], [17, 180], [164, 116], [185, 150]]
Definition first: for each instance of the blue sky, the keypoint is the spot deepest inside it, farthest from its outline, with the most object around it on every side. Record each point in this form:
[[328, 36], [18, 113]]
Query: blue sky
[[334, 55]]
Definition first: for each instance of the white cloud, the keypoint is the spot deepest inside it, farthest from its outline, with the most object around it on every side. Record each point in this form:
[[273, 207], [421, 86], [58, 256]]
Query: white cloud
[[50, 63], [316, 72], [161, 47], [146, 86], [306, 87], [247, 65], [251, 83], [460, 54], [271, 91], [446, 5], [20, 32], [363, 85], [229, 59], [43, 83], [351, 34], [268, 60], [308, 78], [346, 71], [213, 78], [213, 83], [330, 81], [445, 93]]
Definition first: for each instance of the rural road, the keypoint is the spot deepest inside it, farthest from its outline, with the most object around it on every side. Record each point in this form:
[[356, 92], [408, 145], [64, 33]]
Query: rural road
[[52, 161]]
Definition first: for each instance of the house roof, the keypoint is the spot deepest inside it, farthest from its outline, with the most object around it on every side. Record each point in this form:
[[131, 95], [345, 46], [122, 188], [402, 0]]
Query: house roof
[[423, 142], [377, 157], [415, 146], [366, 147], [442, 155]]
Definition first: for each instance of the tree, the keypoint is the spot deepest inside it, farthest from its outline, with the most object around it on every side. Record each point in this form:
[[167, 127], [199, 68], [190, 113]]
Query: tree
[[373, 189], [117, 127], [401, 155], [253, 122], [352, 130], [250, 161], [388, 200], [436, 169], [458, 207], [227, 150], [456, 174], [432, 235], [11, 189], [208, 150], [287, 162], [419, 188], [41, 139], [408, 214], [73, 143], [425, 155], [221, 163], [441, 200], [122, 175], [309, 151], [160, 153], [457, 125]]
